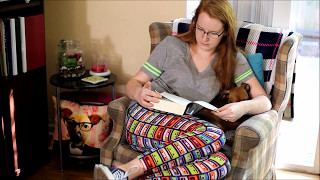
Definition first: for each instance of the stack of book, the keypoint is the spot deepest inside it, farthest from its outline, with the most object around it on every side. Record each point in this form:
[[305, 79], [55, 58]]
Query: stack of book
[[22, 44]]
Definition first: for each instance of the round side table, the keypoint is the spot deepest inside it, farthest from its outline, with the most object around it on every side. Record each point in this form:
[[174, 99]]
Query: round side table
[[76, 83]]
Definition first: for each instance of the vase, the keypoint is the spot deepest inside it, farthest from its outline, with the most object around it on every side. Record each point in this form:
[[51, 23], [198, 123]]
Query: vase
[[70, 59]]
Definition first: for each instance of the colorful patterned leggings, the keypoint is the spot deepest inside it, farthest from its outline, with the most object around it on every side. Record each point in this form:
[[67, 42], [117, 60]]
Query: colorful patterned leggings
[[176, 147]]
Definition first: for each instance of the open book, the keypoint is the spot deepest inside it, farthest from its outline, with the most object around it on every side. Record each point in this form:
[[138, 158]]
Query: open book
[[94, 79], [178, 105]]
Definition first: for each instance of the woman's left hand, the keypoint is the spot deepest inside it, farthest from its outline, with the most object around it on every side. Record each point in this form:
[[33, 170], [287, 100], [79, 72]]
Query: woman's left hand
[[230, 112]]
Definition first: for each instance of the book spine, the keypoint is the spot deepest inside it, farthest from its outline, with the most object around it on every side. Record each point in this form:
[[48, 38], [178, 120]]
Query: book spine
[[18, 45], [8, 46], [2, 48], [1, 64], [1, 68], [35, 42], [13, 47], [23, 44]]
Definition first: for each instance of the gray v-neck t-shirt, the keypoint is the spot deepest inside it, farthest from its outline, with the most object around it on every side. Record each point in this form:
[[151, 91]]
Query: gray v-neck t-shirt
[[172, 69]]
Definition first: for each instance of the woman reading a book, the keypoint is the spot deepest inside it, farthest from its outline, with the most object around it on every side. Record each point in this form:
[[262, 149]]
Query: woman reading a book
[[195, 65]]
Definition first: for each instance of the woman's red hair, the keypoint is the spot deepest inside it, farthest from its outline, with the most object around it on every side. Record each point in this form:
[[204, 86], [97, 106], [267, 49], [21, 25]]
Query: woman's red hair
[[227, 49]]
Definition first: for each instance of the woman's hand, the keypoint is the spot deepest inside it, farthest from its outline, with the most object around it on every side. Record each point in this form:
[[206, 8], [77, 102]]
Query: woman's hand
[[234, 111], [231, 112], [145, 95], [139, 88], [258, 103]]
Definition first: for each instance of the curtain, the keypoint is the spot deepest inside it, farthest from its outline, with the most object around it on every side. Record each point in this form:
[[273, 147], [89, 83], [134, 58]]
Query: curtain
[[255, 11]]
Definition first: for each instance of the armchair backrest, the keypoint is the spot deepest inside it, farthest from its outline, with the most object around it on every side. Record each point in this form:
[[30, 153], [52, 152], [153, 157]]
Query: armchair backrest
[[277, 46]]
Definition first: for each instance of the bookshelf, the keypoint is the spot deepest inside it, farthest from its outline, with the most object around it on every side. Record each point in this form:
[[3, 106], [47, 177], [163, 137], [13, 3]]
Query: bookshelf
[[12, 8], [30, 103]]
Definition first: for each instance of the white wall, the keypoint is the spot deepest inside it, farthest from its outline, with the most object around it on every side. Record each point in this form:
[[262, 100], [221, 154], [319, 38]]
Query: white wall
[[117, 29]]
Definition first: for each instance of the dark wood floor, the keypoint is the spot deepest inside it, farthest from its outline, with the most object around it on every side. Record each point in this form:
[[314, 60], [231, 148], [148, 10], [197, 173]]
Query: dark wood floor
[[73, 169]]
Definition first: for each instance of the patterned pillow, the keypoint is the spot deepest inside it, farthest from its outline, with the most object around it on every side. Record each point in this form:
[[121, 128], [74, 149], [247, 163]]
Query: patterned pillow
[[256, 38], [83, 125]]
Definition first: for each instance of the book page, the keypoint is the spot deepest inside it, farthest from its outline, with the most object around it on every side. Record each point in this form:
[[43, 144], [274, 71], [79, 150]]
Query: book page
[[185, 102], [169, 106], [175, 98]]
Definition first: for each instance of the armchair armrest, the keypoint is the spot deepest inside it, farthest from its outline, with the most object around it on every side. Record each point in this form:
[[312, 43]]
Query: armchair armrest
[[117, 112], [254, 146], [284, 73]]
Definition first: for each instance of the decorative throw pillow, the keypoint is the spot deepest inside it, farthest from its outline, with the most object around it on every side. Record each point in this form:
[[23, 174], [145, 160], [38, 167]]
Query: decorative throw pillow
[[256, 63], [83, 125], [257, 38]]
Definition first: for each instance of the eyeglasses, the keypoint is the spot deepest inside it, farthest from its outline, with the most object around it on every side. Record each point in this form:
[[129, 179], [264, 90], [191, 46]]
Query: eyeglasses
[[84, 126], [209, 34]]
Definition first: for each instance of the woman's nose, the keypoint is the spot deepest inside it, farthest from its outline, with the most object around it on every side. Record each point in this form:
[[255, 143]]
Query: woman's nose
[[205, 36]]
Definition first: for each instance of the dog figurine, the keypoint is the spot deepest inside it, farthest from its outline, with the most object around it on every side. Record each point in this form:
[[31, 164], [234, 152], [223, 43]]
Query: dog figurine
[[79, 126], [235, 94]]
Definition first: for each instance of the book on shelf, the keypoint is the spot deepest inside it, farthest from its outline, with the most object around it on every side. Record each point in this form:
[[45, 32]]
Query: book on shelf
[[178, 105], [94, 79], [18, 44], [35, 41], [7, 45], [10, 49], [1, 68], [13, 47], [23, 44], [2, 49]]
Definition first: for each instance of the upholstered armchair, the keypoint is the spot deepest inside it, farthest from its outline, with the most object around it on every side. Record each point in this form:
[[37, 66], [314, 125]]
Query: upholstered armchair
[[255, 140]]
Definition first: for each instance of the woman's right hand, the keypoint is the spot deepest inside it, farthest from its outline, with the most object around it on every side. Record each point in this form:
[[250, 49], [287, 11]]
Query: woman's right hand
[[145, 95], [139, 88]]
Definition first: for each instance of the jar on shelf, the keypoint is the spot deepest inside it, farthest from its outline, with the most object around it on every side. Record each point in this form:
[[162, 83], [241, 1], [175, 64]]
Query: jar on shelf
[[70, 59]]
